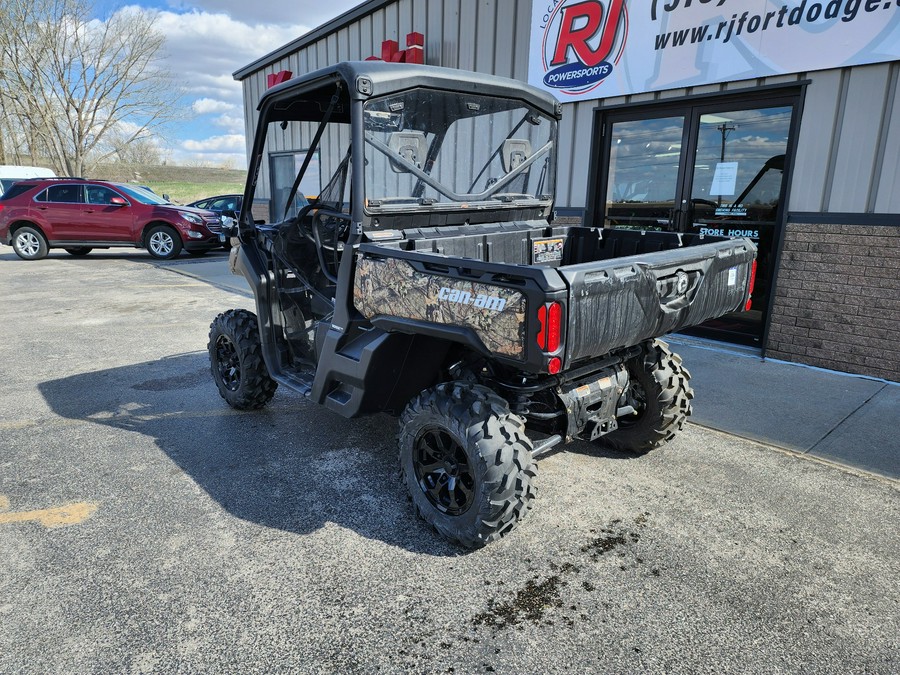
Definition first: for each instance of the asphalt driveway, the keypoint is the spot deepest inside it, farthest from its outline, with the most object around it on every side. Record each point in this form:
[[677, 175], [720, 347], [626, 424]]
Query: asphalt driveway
[[147, 527]]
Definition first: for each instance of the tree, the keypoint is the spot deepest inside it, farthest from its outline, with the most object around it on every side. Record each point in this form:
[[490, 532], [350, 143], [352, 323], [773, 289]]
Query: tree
[[125, 149], [70, 84]]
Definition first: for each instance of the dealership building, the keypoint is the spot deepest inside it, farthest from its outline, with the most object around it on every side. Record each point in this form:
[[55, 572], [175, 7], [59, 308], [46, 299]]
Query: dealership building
[[778, 121]]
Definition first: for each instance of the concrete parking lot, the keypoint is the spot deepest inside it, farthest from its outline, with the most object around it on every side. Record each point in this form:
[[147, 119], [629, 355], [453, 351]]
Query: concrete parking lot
[[147, 527]]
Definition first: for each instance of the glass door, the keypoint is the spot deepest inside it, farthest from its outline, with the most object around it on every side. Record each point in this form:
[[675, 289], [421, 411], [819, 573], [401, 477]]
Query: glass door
[[715, 169], [644, 162], [736, 191]]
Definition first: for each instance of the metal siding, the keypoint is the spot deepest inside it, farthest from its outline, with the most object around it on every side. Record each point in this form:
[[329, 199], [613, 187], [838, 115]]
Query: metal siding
[[435, 39], [450, 54], [858, 138], [848, 156], [331, 49], [468, 35], [419, 17], [304, 61], [739, 84], [579, 167], [366, 41], [391, 24], [671, 93], [887, 197], [779, 79], [342, 37], [605, 102], [815, 144], [484, 45], [565, 154], [522, 37], [354, 43], [704, 89], [405, 23], [504, 39]]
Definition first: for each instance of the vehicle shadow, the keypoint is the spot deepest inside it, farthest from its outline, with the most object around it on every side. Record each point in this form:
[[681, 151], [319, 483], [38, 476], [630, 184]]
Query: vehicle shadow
[[293, 466]]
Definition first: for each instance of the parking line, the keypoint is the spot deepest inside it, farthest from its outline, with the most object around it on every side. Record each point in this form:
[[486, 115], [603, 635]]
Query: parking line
[[59, 516]]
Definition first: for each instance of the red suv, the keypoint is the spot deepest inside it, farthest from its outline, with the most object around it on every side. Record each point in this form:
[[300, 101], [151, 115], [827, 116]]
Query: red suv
[[80, 215]]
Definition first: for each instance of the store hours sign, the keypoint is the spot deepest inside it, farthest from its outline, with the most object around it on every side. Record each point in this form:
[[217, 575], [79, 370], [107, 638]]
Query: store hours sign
[[588, 49]]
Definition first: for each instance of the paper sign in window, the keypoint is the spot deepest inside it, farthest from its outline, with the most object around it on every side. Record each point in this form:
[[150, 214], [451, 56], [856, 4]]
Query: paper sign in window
[[724, 180]]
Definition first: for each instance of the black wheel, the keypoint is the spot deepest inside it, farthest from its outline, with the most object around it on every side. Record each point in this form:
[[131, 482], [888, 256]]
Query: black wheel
[[163, 242], [235, 358], [660, 393], [466, 462], [29, 243], [79, 250]]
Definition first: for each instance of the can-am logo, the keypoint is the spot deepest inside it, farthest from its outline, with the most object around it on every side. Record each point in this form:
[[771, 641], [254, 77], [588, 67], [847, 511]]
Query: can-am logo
[[583, 42]]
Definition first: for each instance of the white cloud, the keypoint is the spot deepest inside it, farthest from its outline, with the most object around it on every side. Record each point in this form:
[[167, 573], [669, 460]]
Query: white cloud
[[276, 12], [226, 143], [203, 50], [208, 40], [224, 150], [231, 123], [204, 106]]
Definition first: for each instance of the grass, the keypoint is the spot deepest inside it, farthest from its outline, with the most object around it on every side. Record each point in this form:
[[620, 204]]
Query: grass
[[183, 184], [184, 192]]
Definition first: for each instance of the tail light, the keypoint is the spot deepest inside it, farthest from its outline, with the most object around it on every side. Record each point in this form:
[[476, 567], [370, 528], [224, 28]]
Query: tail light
[[549, 336], [750, 290], [550, 319]]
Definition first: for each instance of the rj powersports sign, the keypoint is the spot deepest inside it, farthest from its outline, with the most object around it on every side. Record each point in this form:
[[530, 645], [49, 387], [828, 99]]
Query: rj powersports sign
[[586, 49]]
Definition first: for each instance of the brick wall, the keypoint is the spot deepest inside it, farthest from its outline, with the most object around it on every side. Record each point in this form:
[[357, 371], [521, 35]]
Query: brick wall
[[837, 300]]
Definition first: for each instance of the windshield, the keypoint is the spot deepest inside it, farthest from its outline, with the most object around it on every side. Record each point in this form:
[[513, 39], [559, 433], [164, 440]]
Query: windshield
[[141, 195], [426, 147]]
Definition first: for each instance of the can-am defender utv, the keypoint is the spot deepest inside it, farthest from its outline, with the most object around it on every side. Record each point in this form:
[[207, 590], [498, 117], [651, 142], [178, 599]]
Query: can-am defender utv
[[425, 279]]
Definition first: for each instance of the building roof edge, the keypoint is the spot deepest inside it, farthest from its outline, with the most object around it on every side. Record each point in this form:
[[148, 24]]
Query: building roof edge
[[314, 35]]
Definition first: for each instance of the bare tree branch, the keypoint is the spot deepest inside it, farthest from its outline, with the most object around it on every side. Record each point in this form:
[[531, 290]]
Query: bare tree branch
[[77, 90]]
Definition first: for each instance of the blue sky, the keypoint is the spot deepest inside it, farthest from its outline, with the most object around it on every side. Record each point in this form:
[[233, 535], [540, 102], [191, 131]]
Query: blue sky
[[206, 41]]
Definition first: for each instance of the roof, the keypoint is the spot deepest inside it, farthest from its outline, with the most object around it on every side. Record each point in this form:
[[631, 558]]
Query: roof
[[385, 78], [322, 31]]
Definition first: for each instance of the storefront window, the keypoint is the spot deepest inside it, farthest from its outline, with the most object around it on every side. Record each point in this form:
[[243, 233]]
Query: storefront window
[[716, 170], [643, 170]]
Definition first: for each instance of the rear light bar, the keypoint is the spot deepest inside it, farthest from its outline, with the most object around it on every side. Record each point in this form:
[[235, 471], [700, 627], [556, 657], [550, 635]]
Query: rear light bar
[[750, 290]]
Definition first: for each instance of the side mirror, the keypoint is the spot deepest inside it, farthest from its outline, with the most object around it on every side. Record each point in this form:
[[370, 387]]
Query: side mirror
[[118, 201], [411, 146]]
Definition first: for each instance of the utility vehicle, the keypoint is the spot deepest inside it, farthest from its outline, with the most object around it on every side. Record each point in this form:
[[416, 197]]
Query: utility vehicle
[[428, 280]]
